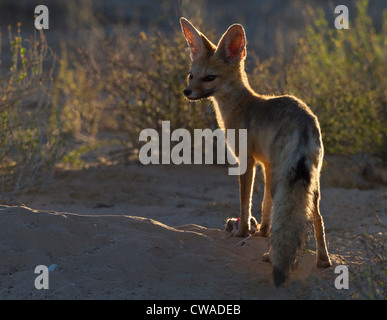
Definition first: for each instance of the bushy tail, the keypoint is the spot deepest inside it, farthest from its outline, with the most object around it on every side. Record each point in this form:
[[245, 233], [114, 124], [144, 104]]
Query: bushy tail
[[291, 216]]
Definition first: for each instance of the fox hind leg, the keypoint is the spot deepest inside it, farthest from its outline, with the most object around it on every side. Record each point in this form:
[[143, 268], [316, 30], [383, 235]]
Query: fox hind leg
[[267, 203], [323, 260]]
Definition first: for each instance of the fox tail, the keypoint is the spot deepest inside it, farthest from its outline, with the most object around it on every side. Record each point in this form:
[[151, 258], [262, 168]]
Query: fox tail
[[293, 201]]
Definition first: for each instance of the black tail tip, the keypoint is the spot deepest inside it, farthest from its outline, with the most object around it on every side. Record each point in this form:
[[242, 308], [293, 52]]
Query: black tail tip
[[279, 276]]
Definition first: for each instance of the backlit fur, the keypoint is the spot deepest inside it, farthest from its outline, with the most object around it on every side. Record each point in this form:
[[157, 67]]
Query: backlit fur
[[283, 137]]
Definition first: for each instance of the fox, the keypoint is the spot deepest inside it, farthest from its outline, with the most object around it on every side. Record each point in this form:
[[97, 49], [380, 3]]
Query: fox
[[283, 138]]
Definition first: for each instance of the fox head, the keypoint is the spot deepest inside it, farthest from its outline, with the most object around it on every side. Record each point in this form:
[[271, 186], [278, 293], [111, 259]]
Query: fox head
[[215, 70]]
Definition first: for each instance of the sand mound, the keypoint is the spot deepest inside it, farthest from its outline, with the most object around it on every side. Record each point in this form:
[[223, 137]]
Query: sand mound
[[127, 257]]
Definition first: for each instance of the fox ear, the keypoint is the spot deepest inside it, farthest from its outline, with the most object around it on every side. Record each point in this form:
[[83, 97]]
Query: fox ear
[[197, 42], [232, 45]]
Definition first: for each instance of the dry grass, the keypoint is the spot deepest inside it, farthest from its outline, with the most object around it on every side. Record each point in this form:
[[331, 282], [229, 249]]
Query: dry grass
[[29, 142]]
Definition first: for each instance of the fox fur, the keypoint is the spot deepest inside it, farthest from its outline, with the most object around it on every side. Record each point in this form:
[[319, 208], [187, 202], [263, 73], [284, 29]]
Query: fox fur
[[283, 136]]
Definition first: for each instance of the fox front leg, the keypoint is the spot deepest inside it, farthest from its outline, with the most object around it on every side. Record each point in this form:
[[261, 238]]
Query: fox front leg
[[246, 182]]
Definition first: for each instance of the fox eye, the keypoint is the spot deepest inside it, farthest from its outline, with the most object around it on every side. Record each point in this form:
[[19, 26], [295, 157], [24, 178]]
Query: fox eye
[[190, 76], [209, 78]]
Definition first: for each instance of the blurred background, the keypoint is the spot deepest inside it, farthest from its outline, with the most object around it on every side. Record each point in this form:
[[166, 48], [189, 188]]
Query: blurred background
[[266, 22], [79, 93]]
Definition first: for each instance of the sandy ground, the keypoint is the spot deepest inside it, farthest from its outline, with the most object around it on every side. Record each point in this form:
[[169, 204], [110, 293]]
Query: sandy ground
[[156, 232]]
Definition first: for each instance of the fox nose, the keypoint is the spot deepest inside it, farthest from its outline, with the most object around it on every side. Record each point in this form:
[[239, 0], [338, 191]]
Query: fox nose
[[187, 92]]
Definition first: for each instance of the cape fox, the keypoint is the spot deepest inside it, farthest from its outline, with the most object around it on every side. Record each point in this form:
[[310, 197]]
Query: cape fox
[[283, 136]]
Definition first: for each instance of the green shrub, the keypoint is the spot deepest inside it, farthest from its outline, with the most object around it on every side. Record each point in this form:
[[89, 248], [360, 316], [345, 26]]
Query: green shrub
[[29, 134], [78, 93], [148, 85], [342, 75], [128, 83]]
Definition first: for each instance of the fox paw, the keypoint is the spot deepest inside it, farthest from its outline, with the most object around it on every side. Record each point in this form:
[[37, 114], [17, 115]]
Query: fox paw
[[266, 257], [233, 226], [323, 263], [263, 231]]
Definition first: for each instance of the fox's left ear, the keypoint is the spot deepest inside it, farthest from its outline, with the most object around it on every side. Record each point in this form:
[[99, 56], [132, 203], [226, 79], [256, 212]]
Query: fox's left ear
[[232, 45]]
